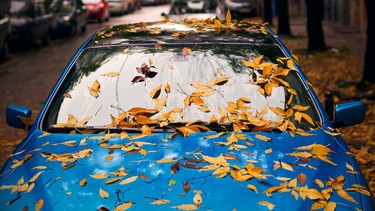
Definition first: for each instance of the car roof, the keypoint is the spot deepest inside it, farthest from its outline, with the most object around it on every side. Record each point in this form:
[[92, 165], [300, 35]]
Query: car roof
[[189, 31]]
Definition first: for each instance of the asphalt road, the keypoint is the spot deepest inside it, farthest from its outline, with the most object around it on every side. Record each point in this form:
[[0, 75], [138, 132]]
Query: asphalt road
[[27, 78]]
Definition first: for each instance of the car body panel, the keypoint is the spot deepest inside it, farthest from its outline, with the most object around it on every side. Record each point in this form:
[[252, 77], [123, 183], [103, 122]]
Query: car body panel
[[59, 186], [158, 167]]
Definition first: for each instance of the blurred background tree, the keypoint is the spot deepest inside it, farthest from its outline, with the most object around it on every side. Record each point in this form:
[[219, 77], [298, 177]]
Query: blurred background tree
[[369, 68], [315, 15], [283, 17]]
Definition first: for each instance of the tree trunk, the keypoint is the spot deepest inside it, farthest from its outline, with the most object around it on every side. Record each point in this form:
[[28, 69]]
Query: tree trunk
[[268, 11], [369, 67], [283, 17], [315, 14]]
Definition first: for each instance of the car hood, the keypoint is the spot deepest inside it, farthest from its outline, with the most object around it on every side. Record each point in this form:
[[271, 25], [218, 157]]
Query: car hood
[[212, 171]]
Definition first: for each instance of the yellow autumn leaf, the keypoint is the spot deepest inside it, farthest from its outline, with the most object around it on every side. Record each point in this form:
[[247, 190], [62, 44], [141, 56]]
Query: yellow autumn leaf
[[155, 92], [83, 182], [197, 198], [318, 205], [217, 23], [95, 89], [31, 187], [109, 158], [268, 151], [167, 88], [35, 177], [346, 196], [252, 187], [39, 205], [331, 206], [186, 207], [103, 193], [124, 206], [160, 202], [313, 194], [307, 118], [269, 205], [128, 180], [111, 74], [126, 50], [99, 176], [228, 18], [262, 137], [165, 160], [113, 180]]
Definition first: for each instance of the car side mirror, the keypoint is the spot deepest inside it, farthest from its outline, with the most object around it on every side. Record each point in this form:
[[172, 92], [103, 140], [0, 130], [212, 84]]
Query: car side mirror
[[348, 114], [18, 116]]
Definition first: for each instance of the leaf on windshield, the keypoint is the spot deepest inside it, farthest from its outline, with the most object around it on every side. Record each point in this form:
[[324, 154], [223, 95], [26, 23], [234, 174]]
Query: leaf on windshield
[[137, 79], [95, 89], [186, 51], [179, 34], [228, 18], [155, 92], [111, 74]]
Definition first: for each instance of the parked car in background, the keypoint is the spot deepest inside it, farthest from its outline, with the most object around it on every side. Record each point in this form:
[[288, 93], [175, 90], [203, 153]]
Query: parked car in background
[[72, 16], [201, 9], [30, 20], [154, 2], [241, 8], [135, 5], [4, 28], [98, 9], [119, 6], [190, 115]]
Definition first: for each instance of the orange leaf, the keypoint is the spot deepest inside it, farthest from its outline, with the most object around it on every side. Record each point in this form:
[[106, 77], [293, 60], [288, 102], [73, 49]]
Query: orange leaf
[[155, 92], [103, 193], [39, 205]]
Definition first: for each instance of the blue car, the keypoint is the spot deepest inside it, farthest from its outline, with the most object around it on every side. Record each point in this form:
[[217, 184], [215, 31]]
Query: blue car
[[190, 115]]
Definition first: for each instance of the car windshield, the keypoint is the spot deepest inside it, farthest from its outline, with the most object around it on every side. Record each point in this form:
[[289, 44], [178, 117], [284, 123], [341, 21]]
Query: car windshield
[[193, 6], [124, 87], [91, 1]]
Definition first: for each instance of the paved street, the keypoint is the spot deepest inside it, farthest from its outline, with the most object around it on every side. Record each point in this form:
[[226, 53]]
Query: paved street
[[27, 78]]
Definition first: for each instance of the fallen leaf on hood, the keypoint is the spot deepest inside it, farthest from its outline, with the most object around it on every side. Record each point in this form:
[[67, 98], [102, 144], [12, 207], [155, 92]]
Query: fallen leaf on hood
[[124, 206], [39, 205], [186, 207], [128, 180], [103, 193], [269, 205]]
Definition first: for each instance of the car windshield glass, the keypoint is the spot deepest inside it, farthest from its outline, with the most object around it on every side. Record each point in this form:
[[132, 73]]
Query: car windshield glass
[[91, 1], [195, 6], [135, 85]]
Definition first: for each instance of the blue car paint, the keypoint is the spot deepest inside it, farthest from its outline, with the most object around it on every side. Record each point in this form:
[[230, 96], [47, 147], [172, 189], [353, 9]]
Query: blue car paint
[[60, 188]]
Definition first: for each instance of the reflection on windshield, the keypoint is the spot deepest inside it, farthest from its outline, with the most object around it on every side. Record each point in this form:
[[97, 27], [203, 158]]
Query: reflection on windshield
[[175, 84], [183, 7]]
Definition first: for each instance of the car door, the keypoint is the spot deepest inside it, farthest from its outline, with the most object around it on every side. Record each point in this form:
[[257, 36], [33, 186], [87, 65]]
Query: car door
[[43, 20]]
